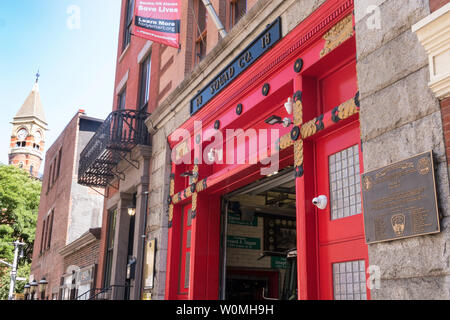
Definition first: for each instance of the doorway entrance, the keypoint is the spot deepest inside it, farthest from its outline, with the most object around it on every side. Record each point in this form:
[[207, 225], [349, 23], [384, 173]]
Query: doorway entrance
[[259, 232], [342, 254]]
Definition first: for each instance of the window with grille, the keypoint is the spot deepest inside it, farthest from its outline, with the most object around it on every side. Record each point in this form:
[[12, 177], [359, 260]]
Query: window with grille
[[185, 251], [349, 280], [345, 183]]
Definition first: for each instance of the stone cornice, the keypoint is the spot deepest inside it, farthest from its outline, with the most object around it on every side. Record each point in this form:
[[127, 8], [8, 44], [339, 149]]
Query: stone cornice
[[26, 151], [86, 239], [434, 34]]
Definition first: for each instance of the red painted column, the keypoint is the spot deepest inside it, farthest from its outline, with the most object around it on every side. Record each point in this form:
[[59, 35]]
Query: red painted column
[[302, 256], [199, 251], [307, 264], [173, 255], [213, 262], [302, 277], [205, 244]]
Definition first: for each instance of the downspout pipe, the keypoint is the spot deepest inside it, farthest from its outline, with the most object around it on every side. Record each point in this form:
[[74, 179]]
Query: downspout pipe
[[224, 262], [215, 18], [144, 240]]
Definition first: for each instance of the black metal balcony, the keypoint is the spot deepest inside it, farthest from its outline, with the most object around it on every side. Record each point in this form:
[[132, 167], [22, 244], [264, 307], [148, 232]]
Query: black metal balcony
[[117, 136]]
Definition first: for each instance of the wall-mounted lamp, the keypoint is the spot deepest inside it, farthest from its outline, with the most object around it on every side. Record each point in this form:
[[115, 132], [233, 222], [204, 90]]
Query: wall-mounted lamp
[[187, 174], [274, 120], [131, 211], [26, 290], [33, 287], [43, 287], [277, 120], [214, 155]]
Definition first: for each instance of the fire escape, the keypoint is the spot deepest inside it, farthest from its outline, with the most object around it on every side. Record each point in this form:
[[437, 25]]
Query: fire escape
[[113, 142]]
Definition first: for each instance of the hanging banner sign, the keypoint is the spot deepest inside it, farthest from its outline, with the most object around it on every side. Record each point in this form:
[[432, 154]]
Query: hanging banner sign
[[158, 21]]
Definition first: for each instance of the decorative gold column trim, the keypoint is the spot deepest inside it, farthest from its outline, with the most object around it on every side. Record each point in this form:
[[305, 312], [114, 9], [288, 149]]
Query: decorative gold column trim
[[342, 31]]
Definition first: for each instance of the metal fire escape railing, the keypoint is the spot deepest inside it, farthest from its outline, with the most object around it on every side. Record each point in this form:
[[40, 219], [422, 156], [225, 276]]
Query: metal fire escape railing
[[117, 136]]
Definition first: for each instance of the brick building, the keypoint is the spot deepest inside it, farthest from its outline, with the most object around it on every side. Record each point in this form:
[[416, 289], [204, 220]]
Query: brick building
[[332, 69], [81, 259], [67, 210]]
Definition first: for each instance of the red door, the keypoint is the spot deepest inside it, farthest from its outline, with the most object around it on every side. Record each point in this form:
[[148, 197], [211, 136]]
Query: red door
[[343, 255], [185, 258]]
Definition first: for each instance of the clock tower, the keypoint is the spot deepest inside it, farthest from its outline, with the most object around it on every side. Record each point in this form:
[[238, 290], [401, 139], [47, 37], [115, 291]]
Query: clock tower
[[26, 150]]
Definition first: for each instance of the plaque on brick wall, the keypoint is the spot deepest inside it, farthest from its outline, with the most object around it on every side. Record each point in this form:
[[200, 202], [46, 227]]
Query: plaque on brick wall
[[400, 200]]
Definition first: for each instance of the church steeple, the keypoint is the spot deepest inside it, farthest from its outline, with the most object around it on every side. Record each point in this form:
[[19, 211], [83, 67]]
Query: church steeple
[[28, 134], [32, 107]]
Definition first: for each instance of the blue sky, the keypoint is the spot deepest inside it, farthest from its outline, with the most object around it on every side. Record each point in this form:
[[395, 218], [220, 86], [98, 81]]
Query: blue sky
[[76, 60]]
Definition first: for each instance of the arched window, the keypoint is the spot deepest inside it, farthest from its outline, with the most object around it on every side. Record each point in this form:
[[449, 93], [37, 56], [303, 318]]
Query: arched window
[[20, 164]]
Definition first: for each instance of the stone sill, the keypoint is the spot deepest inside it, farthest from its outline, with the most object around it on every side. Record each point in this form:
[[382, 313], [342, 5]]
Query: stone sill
[[124, 52]]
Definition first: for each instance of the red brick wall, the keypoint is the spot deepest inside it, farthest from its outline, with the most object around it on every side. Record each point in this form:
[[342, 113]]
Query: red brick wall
[[169, 65], [50, 263], [28, 160], [127, 62], [84, 257], [182, 60], [436, 4]]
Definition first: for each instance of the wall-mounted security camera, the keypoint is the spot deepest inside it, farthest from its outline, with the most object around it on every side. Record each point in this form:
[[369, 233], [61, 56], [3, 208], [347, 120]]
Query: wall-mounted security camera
[[320, 202]]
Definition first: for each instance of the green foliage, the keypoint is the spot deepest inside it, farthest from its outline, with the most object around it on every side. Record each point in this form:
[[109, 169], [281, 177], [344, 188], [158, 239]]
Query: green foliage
[[19, 204], [23, 272]]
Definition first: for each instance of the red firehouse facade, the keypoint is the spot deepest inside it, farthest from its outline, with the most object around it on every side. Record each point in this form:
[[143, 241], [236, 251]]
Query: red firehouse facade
[[315, 65]]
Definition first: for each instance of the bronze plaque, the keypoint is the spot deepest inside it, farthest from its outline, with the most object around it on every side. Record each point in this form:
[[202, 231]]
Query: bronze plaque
[[400, 200]]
